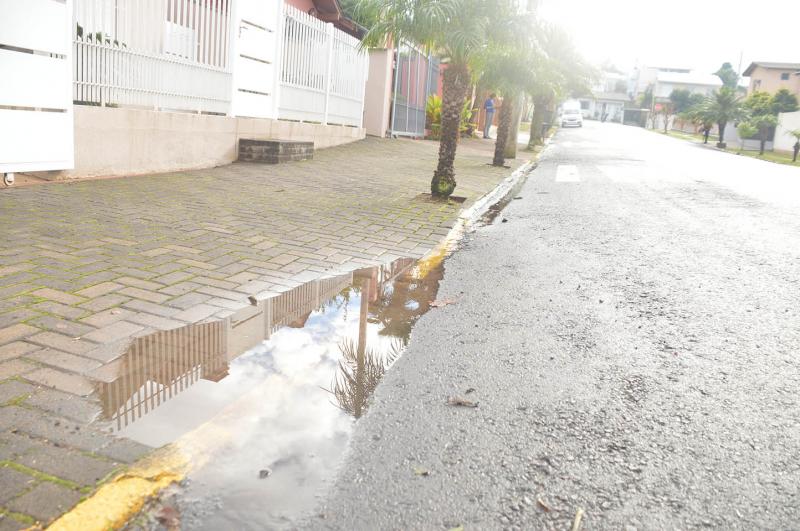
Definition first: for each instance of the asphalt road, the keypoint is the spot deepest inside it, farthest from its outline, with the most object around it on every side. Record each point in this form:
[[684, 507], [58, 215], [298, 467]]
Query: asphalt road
[[631, 334]]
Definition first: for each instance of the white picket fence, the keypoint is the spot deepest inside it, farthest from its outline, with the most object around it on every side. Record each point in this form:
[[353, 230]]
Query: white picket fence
[[323, 73], [159, 54], [177, 55]]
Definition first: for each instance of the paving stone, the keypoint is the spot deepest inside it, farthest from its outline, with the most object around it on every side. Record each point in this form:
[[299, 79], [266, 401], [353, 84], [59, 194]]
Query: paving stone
[[43, 425], [45, 501], [187, 301], [13, 483], [138, 293], [62, 310], [97, 290], [114, 332], [67, 464], [13, 445], [12, 389], [104, 302], [16, 349], [65, 405], [149, 307], [172, 278], [124, 450], [196, 313], [69, 383], [181, 288], [58, 296], [15, 367], [197, 263], [107, 317], [155, 321], [62, 326], [73, 345], [14, 332], [63, 360], [8, 523]]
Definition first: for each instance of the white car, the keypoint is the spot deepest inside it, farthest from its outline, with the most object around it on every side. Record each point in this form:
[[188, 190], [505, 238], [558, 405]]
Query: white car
[[572, 117]]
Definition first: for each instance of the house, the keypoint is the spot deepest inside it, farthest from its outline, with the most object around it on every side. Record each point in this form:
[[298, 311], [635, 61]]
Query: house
[[643, 77], [608, 98], [694, 82], [100, 89], [771, 77]]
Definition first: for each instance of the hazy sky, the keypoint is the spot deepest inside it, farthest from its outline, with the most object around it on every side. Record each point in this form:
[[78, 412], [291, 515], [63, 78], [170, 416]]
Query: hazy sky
[[700, 34]]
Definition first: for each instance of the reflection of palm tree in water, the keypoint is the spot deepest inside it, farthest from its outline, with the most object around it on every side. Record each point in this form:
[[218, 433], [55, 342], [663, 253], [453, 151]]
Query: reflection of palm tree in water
[[397, 308]]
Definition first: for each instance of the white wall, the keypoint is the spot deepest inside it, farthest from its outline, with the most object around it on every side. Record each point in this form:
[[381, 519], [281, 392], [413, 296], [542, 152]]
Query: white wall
[[787, 121], [123, 141]]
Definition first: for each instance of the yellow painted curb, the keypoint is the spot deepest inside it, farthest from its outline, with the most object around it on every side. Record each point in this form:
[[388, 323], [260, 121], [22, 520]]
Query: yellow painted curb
[[123, 497]]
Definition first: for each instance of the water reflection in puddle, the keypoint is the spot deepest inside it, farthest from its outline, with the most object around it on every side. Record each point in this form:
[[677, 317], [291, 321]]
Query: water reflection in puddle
[[270, 391]]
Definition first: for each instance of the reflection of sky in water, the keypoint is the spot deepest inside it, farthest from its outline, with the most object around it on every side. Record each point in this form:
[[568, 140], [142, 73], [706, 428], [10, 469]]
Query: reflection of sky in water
[[271, 411]]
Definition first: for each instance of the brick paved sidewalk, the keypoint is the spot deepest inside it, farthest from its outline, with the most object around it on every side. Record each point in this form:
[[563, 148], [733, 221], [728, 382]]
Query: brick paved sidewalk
[[86, 266]]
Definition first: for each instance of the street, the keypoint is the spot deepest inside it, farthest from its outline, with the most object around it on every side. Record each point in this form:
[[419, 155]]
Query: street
[[628, 327]]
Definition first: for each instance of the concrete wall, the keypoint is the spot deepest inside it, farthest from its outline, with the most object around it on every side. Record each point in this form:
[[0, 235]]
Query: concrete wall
[[787, 121], [117, 141], [378, 95], [769, 80]]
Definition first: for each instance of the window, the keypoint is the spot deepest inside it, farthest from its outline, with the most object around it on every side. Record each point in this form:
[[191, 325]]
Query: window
[[584, 104], [785, 76]]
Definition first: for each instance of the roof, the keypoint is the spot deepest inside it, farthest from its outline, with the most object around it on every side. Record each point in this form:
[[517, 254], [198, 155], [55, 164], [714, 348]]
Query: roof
[[691, 78], [331, 11], [766, 64], [611, 96]]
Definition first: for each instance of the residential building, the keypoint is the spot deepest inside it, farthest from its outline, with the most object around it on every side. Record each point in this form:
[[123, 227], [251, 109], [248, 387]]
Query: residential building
[[771, 77], [608, 99], [164, 85], [694, 82]]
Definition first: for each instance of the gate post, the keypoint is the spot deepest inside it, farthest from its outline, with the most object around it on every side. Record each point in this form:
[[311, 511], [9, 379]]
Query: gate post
[[328, 68]]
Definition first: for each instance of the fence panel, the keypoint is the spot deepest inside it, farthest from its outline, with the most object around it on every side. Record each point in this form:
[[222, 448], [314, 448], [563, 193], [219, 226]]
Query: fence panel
[[162, 54], [323, 73], [413, 82]]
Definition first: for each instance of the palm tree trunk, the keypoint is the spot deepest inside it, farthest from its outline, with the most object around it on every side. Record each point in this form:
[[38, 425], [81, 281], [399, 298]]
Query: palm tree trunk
[[503, 125], [513, 131], [454, 88], [721, 141], [537, 122]]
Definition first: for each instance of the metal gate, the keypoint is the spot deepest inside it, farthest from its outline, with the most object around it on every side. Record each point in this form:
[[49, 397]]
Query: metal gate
[[415, 77], [36, 92]]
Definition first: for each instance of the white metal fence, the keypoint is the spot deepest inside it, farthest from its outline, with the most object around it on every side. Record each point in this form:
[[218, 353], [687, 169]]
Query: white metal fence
[[323, 73], [162, 54]]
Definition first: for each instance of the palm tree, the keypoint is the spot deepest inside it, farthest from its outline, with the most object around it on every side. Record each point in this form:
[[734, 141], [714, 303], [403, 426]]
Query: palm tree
[[796, 147], [458, 31], [763, 122], [723, 106]]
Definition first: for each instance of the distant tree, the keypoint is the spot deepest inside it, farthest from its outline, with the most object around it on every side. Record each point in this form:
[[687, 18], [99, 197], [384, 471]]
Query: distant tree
[[784, 101], [681, 100], [764, 123], [728, 76], [667, 111], [759, 103], [746, 130], [723, 106], [646, 99]]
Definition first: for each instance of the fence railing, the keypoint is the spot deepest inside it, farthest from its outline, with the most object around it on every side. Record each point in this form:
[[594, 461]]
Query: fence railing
[[323, 73], [162, 54]]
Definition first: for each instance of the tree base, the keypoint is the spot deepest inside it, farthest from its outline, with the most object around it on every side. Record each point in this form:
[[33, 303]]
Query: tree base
[[442, 186]]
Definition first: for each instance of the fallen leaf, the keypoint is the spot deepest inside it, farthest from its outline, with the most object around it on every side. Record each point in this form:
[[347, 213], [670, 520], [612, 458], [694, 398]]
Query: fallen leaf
[[459, 528], [442, 302], [470, 390], [419, 471], [168, 517], [546, 508], [462, 402], [264, 473]]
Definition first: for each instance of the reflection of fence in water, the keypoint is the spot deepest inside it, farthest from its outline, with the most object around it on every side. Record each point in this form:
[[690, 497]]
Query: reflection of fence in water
[[163, 364]]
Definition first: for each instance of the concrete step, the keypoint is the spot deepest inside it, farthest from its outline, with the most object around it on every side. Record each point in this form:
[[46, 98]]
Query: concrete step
[[274, 151]]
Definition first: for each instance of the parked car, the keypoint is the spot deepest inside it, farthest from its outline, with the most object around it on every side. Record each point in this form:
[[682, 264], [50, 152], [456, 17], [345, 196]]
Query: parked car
[[572, 117]]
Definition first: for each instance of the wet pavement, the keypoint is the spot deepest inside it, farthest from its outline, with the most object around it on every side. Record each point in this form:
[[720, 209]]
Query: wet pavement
[[85, 268], [263, 403], [630, 335]]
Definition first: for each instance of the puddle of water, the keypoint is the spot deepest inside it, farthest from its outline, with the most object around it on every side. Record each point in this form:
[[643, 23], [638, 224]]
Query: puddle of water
[[271, 391]]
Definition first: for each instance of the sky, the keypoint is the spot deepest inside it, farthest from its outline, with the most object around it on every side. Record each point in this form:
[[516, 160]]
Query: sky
[[697, 34]]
